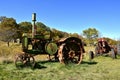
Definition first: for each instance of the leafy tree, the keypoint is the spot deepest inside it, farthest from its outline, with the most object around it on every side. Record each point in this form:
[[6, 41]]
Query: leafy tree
[[65, 34], [58, 34], [110, 41], [2, 17], [8, 23], [8, 27], [24, 27], [42, 29], [91, 35], [75, 35]]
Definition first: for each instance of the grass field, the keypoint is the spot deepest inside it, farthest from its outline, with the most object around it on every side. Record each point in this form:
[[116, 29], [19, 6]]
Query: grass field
[[100, 68]]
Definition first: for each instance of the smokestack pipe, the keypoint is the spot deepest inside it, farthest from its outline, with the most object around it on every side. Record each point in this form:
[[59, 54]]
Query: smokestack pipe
[[34, 27]]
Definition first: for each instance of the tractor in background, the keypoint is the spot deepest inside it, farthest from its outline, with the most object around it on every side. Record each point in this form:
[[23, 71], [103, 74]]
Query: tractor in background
[[103, 48]]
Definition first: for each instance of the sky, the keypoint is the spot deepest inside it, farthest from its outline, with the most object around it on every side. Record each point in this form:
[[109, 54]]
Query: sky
[[72, 16]]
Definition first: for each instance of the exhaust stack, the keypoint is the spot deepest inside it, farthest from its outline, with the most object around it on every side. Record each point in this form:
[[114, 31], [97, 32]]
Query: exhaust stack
[[34, 28]]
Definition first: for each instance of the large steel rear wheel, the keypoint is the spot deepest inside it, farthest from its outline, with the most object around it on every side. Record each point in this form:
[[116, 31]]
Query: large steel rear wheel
[[70, 49], [69, 53]]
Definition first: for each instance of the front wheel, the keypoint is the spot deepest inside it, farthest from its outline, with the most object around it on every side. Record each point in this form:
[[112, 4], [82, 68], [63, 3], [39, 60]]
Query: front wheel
[[24, 60], [91, 55], [30, 61], [113, 55], [19, 61]]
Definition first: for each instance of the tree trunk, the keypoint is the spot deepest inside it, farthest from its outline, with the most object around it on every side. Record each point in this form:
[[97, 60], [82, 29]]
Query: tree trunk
[[8, 44]]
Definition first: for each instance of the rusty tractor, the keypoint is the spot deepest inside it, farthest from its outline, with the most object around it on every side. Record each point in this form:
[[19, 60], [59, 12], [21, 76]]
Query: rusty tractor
[[103, 48], [66, 49]]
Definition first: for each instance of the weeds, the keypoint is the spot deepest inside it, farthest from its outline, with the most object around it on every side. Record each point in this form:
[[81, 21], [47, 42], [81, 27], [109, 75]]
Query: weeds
[[100, 68]]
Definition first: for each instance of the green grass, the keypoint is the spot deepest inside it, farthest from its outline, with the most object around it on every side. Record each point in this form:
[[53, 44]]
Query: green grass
[[100, 68]]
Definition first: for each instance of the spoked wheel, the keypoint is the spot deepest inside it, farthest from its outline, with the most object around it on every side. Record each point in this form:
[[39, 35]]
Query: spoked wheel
[[70, 53], [69, 57], [30, 61], [75, 57], [70, 49], [19, 61], [23, 60]]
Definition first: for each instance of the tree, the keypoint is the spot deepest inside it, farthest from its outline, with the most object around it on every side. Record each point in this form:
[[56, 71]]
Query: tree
[[110, 41], [25, 27], [8, 23], [58, 34], [2, 17], [8, 27], [91, 34], [75, 35], [42, 29]]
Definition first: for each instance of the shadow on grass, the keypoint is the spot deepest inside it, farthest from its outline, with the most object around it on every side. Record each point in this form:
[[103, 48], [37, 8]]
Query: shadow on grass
[[7, 62], [83, 62], [89, 62], [38, 66], [48, 61]]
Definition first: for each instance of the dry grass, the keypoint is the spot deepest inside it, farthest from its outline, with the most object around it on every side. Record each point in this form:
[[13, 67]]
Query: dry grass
[[89, 48], [8, 53]]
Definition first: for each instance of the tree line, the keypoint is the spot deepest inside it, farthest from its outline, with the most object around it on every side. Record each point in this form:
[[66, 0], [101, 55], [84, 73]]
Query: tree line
[[11, 30]]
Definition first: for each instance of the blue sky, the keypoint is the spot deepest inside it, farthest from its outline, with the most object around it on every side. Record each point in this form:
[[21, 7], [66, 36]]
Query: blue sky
[[72, 16]]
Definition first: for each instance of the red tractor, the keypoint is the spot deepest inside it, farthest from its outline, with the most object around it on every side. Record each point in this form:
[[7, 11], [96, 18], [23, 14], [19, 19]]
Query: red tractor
[[103, 48]]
